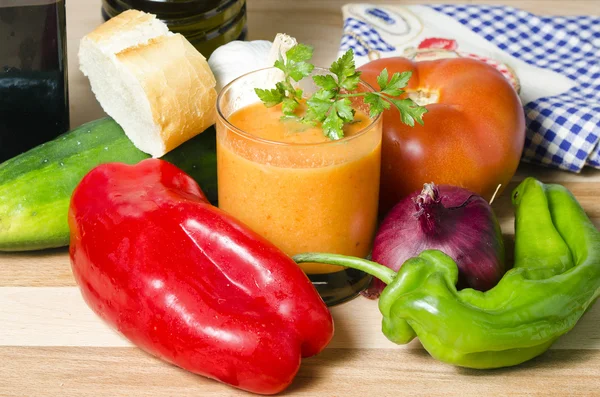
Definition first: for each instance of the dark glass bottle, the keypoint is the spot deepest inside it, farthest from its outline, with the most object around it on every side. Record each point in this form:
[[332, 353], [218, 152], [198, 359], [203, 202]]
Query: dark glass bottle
[[34, 105], [207, 24]]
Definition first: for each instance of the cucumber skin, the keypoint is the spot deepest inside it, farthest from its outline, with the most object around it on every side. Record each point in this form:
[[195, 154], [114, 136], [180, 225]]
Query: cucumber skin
[[36, 186]]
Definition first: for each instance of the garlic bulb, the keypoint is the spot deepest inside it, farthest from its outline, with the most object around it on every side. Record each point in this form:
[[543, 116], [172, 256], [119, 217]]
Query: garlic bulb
[[236, 58]]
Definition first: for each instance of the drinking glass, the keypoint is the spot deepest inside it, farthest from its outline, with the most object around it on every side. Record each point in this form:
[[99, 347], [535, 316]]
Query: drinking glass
[[303, 197]]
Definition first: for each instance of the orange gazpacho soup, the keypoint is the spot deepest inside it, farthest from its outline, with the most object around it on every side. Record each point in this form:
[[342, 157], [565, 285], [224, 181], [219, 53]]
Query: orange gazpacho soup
[[296, 187]]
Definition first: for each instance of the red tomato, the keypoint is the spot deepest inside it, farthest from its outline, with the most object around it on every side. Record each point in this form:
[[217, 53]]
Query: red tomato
[[473, 133]]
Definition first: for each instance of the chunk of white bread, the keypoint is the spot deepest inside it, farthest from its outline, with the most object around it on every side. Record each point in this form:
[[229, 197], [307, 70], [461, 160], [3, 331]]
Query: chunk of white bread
[[154, 83]]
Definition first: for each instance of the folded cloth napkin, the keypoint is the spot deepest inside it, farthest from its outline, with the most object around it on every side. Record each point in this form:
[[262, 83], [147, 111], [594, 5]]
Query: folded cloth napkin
[[554, 63]]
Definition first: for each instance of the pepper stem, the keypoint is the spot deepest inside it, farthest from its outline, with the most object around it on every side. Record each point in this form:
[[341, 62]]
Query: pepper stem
[[373, 268]]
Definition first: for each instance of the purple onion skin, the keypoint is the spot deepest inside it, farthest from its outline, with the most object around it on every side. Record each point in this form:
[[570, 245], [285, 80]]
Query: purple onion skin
[[451, 219]]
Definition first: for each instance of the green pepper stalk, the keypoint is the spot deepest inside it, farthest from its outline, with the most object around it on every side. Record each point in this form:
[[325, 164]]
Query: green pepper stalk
[[555, 279]]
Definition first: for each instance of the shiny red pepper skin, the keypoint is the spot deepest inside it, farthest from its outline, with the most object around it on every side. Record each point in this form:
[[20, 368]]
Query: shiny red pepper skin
[[188, 283]]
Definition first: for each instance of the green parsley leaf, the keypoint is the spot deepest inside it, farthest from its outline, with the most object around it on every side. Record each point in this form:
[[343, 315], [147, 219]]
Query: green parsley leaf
[[326, 81], [270, 97], [344, 66], [376, 104], [324, 94], [284, 86], [409, 111], [318, 105], [395, 85], [344, 109], [382, 79], [299, 53], [332, 126], [311, 117], [345, 70], [289, 106], [299, 70], [296, 66], [279, 64], [350, 83]]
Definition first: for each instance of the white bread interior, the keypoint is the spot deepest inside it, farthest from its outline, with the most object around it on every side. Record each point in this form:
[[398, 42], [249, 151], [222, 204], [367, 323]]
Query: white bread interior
[[154, 83]]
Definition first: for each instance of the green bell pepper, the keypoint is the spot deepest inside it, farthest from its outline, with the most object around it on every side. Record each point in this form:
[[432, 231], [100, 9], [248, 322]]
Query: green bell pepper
[[555, 279]]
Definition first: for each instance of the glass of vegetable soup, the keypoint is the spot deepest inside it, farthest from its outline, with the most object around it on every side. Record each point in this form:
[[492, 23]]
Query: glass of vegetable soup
[[296, 187]]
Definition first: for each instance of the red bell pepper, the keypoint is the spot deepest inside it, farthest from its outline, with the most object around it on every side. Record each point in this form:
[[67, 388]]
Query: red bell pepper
[[188, 283]]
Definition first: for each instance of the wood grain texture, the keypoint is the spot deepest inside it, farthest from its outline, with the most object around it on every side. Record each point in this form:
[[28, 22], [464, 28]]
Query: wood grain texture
[[51, 344], [37, 269], [57, 316], [111, 372]]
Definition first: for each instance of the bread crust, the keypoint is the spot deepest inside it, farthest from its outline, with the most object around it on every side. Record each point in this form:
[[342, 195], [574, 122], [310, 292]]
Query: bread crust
[[125, 21], [178, 84], [175, 78]]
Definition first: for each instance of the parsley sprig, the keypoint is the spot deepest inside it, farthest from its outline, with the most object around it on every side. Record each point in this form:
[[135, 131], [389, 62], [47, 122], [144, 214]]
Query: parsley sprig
[[331, 105], [294, 68]]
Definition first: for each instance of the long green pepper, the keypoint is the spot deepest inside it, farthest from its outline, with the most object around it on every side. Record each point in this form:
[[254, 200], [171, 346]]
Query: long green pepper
[[555, 279]]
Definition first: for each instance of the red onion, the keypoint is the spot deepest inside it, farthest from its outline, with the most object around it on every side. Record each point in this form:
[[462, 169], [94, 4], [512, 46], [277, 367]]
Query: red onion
[[450, 219]]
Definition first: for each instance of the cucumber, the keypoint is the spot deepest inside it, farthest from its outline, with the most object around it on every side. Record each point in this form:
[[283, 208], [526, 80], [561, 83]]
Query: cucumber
[[36, 186]]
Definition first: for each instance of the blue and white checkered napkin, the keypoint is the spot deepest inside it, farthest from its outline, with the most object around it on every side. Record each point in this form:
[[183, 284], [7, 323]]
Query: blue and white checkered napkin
[[553, 61]]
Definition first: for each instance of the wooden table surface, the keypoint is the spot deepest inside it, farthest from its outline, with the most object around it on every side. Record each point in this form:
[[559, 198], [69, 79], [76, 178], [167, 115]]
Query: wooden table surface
[[51, 344]]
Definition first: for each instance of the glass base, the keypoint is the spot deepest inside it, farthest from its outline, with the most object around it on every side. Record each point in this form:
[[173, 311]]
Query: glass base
[[340, 287]]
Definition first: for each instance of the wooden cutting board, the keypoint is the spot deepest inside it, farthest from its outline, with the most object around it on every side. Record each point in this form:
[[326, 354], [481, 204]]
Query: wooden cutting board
[[51, 344]]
